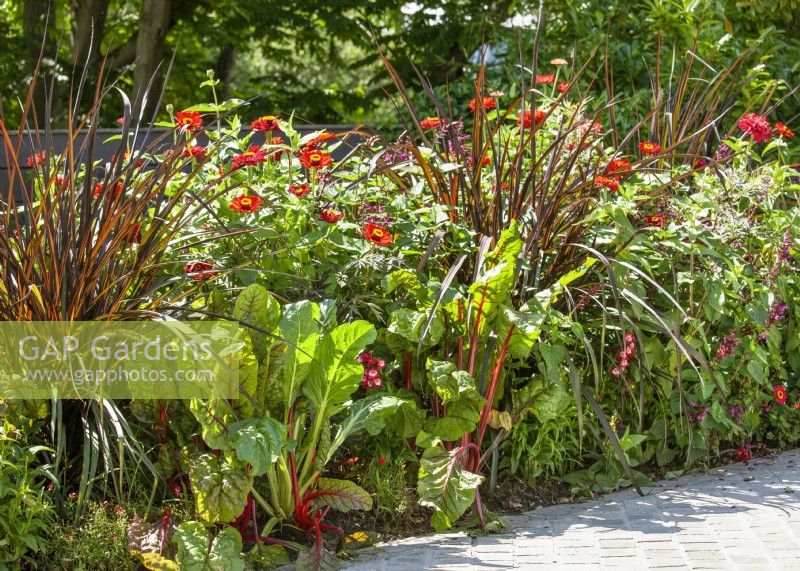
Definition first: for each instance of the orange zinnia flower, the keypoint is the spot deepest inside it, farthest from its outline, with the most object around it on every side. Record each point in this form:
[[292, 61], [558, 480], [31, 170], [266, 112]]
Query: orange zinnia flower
[[314, 158], [611, 183], [784, 131], [266, 123], [319, 139], [430, 123], [190, 120], [563, 86], [488, 103], [545, 78], [649, 148], [618, 166], [378, 235], [330, 215], [195, 151], [246, 203]]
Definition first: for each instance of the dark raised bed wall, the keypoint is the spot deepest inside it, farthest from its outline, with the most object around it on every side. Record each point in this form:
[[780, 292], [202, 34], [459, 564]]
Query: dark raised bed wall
[[105, 149]]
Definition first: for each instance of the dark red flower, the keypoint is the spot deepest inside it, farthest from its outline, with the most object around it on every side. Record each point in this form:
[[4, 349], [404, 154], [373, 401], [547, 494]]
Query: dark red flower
[[197, 152], [199, 271], [611, 183], [545, 78], [744, 454], [756, 126], [525, 118], [378, 235], [190, 120], [299, 190], [784, 131], [255, 155], [779, 393], [266, 123], [314, 158], [430, 123], [330, 215], [488, 103], [36, 159], [246, 203], [649, 148]]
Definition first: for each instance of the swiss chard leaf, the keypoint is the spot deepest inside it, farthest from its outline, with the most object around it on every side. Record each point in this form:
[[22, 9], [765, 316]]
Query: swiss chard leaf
[[220, 488], [197, 551], [445, 485]]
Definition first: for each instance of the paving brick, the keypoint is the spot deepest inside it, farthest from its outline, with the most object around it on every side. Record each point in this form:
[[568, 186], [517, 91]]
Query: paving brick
[[711, 521]]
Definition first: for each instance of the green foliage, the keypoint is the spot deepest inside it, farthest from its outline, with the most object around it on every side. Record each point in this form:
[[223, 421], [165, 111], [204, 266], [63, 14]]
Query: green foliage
[[445, 485], [198, 550], [26, 514]]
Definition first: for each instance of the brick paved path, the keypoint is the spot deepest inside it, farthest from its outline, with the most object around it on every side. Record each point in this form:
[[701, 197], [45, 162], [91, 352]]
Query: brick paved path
[[735, 517]]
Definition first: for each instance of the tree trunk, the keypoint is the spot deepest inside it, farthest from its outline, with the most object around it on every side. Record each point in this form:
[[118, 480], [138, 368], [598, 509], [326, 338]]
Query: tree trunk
[[150, 45], [89, 21], [226, 61]]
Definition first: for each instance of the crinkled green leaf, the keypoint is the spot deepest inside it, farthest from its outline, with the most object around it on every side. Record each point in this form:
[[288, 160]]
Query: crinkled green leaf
[[197, 551], [445, 486], [256, 306], [407, 421], [462, 416], [341, 495], [409, 281], [214, 416], [220, 488], [405, 327], [257, 442], [450, 383]]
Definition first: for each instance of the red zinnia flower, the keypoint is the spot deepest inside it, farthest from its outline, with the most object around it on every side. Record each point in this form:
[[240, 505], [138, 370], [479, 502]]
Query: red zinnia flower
[[266, 123], [197, 152], [784, 131], [545, 78], [649, 148], [314, 158], [488, 103], [611, 183], [299, 190], [563, 86], [525, 118], [780, 394], [36, 159], [246, 203], [277, 154], [657, 219], [253, 156], [330, 215], [190, 120], [618, 166], [757, 126], [199, 271], [377, 234], [430, 123]]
